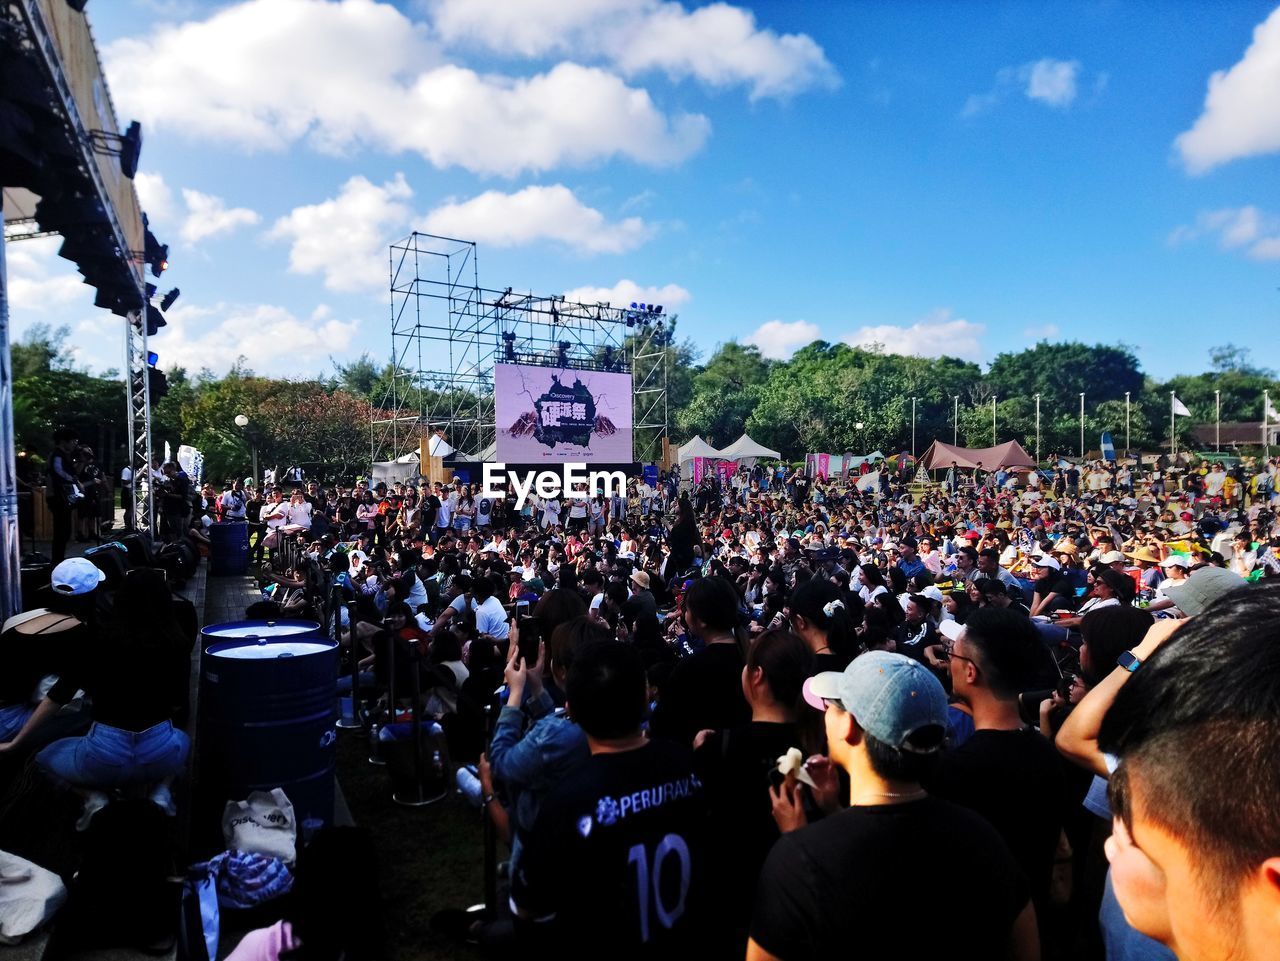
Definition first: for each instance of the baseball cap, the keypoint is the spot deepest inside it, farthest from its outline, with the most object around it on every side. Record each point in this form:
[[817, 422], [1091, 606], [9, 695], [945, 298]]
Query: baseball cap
[[1110, 557], [1046, 561], [972, 535], [76, 576], [1202, 588], [933, 592], [1176, 560], [891, 696]]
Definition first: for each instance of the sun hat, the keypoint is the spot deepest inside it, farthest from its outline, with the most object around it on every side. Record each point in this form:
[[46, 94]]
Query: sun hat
[[642, 579], [76, 575], [1202, 588], [891, 696], [1146, 555]]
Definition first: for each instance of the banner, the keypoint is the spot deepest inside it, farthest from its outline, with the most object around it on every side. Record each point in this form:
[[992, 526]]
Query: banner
[[824, 466], [651, 475], [725, 470], [561, 415], [699, 465], [1108, 448]]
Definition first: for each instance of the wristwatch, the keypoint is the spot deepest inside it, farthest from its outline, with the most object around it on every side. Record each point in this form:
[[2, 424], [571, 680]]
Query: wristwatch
[[1129, 661], [485, 801]]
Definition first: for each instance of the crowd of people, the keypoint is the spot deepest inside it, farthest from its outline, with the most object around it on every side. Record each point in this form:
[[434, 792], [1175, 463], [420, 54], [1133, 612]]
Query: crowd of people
[[828, 695], [780, 716]]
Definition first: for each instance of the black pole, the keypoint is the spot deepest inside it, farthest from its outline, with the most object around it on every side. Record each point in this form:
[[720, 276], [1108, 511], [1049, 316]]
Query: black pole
[[355, 722], [490, 836]]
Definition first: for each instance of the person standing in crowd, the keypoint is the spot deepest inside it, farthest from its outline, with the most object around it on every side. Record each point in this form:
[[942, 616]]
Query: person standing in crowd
[[63, 492], [841, 881], [616, 856]]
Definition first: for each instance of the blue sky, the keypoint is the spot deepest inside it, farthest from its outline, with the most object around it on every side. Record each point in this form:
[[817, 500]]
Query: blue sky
[[936, 177]]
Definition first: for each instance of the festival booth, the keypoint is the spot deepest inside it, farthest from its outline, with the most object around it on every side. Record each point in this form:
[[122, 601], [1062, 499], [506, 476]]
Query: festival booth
[[841, 465], [746, 452], [941, 456], [695, 458]]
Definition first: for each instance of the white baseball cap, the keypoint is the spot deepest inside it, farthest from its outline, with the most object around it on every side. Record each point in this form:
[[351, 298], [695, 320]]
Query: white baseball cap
[[1046, 561], [76, 575]]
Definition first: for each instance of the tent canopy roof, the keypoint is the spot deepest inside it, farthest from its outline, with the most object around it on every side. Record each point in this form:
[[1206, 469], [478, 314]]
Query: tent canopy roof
[[745, 447], [940, 456], [696, 448]]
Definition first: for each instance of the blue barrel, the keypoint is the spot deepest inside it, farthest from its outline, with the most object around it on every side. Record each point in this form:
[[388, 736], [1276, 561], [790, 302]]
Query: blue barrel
[[228, 549], [268, 710]]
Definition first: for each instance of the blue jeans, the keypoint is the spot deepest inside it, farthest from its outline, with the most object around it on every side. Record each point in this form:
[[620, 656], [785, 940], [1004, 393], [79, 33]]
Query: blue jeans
[[109, 757], [12, 718]]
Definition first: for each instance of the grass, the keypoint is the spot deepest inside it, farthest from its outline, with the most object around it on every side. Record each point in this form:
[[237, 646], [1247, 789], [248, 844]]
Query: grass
[[430, 858]]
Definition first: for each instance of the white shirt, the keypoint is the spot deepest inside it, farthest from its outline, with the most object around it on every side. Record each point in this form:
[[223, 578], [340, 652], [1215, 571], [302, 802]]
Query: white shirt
[[300, 514], [491, 616]]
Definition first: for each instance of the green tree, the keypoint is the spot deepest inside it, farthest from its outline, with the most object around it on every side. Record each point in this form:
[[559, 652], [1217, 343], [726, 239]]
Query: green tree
[[724, 393]]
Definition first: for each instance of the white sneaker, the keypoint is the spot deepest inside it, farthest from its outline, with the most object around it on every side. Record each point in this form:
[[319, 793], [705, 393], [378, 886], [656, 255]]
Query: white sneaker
[[163, 798], [94, 802]]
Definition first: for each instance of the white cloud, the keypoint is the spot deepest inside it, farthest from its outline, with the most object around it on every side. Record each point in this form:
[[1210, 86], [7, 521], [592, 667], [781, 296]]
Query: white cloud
[[1235, 228], [209, 216], [359, 74], [156, 198], [1241, 116], [717, 44], [39, 279], [535, 214], [625, 292], [215, 337], [1053, 81], [778, 339], [346, 237], [1048, 81], [937, 335]]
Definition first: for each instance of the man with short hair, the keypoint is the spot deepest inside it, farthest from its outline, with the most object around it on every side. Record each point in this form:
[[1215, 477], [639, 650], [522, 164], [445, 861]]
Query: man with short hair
[[614, 865], [1189, 724], [844, 886], [989, 566], [1006, 771]]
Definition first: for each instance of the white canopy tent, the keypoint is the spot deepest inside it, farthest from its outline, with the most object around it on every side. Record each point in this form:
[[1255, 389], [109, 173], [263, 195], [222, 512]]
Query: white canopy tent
[[746, 450], [697, 448]]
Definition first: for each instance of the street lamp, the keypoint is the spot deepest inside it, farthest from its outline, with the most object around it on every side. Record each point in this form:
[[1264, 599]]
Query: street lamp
[[913, 426], [1217, 427], [1126, 424], [243, 422], [993, 420], [1037, 431], [955, 421], [1082, 428]]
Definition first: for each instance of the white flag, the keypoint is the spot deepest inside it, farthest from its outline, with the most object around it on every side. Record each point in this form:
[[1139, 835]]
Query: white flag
[[1180, 408], [1270, 413]]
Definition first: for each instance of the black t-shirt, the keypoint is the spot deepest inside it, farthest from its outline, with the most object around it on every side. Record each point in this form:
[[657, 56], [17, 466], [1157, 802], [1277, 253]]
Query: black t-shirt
[[703, 691], [914, 638], [1055, 585], [616, 858], [1013, 779], [735, 766], [920, 880]]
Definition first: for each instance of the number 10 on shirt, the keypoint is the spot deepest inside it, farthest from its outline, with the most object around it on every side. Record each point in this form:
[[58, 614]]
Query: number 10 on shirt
[[648, 882]]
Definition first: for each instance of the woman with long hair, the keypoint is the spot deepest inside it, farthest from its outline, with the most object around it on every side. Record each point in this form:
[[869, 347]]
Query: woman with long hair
[[705, 688], [826, 618]]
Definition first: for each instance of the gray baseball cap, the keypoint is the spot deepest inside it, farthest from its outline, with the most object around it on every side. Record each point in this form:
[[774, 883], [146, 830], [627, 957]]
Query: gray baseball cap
[[891, 696]]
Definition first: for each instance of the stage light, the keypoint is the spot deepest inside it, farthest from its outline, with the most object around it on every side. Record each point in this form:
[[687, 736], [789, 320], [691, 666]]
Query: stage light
[[131, 149], [77, 5], [157, 384], [151, 291], [658, 309], [634, 305], [169, 298], [154, 253], [152, 358], [155, 320]]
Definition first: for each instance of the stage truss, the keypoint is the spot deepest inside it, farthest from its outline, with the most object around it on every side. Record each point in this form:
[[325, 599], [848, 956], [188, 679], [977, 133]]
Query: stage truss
[[448, 332]]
